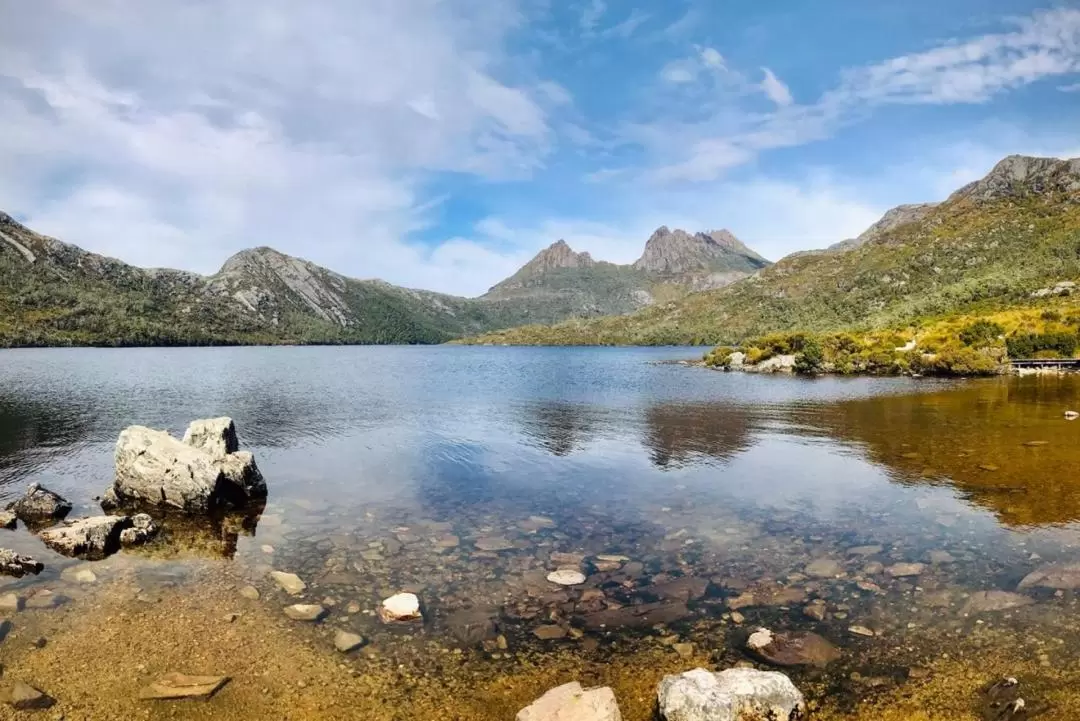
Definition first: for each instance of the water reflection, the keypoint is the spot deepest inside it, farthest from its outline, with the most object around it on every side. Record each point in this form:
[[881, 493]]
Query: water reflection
[[679, 434], [34, 431], [558, 426], [1002, 444]]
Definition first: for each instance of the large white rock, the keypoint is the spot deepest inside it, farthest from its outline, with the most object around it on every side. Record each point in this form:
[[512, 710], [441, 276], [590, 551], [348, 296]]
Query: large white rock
[[570, 702], [194, 476], [738, 694], [400, 607], [567, 577]]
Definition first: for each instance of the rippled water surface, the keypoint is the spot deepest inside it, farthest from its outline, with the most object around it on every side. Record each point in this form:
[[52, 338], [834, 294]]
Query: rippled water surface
[[464, 473]]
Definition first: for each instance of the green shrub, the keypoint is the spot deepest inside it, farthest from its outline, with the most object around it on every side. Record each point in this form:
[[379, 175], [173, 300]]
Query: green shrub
[[1030, 345], [981, 333], [811, 357], [1051, 315], [719, 357]]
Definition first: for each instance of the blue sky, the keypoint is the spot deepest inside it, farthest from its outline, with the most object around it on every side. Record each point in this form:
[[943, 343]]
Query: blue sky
[[441, 143]]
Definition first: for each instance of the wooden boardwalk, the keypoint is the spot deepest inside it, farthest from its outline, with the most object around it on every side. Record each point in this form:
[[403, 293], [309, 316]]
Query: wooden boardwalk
[[1072, 363]]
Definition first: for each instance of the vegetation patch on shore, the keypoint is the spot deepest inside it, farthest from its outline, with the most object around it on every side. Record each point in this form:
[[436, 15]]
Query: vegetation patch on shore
[[958, 345]]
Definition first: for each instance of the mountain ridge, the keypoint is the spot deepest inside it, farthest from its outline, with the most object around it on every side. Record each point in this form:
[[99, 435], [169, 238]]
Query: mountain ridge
[[262, 295], [992, 243]]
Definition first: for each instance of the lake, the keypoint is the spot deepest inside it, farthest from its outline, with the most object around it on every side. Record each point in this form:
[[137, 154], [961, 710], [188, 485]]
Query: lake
[[701, 505]]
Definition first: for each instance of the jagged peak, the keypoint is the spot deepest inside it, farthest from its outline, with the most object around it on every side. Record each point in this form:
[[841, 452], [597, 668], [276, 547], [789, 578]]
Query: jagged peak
[[677, 251]]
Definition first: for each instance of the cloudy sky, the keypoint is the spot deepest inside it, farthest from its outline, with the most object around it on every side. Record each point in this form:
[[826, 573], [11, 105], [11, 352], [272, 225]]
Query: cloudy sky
[[441, 143]]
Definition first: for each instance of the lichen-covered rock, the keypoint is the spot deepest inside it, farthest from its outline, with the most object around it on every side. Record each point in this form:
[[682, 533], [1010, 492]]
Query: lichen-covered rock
[[738, 694], [196, 475], [216, 436], [143, 529], [8, 520], [13, 564], [40, 506], [91, 538], [570, 702]]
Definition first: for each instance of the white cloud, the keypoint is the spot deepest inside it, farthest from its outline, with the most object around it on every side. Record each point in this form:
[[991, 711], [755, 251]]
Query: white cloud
[[311, 128], [1074, 88], [1044, 45], [677, 73], [775, 89], [591, 14], [712, 58]]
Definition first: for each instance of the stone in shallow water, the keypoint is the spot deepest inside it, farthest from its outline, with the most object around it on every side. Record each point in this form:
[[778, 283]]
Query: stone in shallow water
[[549, 632], [567, 577], [289, 582], [8, 520], [94, 537], [794, 648], [24, 697], [173, 686], [643, 616], [865, 550], [493, 544], [767, 594], [686, 588], [862, 631], [79, 574], [988, 601], [345, 641], [824, 568], [903, 570], [309, 612], [400, 607], [45, 599], [567, 559], [39, 505], [737, 694], [473, 626], [250, 592], [571, 702], [1062, 576], [17, 565], [10, 603]]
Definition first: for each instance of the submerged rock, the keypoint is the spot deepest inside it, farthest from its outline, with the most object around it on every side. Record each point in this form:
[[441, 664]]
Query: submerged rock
[[40, 506], [1062, 576], [400, 607], [309, 612], [92, 538], [793, 648], [24, 697], [14, 564], [903, 570], [473, 626], [567, 577], [181, 686], [987, 601], [289, 582], [642, 616], [345, 642], [824, 568], [194, 475], [737, 694], [570, 702], [1071, 415]]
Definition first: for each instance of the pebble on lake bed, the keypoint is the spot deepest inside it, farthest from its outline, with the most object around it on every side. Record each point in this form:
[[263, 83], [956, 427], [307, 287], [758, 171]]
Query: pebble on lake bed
[[567, 577], [571, 702], [289, 582], [400, 607]]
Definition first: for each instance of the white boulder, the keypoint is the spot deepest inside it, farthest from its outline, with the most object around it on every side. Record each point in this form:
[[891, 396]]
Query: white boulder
[[195, 475], [400, 607], [92, 538], [738, 694], [570, 702]]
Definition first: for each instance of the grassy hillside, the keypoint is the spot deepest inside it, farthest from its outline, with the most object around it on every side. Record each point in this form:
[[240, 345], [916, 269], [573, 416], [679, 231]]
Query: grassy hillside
[[986, 249]]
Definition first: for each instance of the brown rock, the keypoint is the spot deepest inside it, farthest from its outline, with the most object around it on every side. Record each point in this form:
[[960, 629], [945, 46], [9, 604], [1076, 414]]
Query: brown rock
[[24, 697], [643, 616], [794, 648], [686, 588], [989, 601], [1063, 576], [181, 686], [549, 632]]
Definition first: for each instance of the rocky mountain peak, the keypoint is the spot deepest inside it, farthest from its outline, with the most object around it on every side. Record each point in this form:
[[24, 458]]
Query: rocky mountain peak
[[1019, 175], [676, 252], [900, 215], [559, 255]]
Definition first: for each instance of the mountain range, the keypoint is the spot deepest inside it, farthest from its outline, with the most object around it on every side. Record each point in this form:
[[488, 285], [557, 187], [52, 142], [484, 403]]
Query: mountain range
[[54, 293], [995, 242], [1004, 240]]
